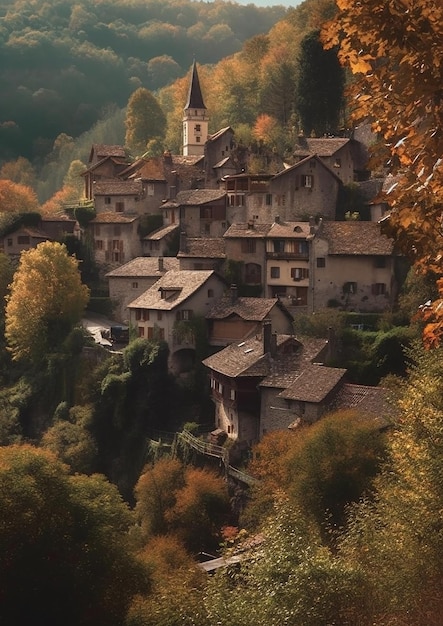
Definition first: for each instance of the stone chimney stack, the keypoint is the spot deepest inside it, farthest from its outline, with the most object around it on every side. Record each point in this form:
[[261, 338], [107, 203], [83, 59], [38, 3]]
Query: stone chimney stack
[[161, 266], [234, 294], [267, 336], [277, 219]]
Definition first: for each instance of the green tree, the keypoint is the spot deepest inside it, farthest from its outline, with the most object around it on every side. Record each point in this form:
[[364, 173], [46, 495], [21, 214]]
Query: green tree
[[46, 300], [145, 121], [319, 88], [65, 553]]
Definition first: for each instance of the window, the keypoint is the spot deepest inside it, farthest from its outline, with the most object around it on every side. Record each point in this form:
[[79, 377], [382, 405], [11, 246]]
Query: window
[[198, 128], [107, 200], [248, 246], [9, 242], [279, 245], [138, 314], [299, 273], [269, 199], [298, 247], [307, 180], [232, 394], [275, 272], [23, 239], [150, 189], [253, 273], [141, 331], [135, 285], [145, 315], [350, 287], [197, 139], [337, 163], [206, 212], [321, 261], [119, 207], [159, 315], [378, 289], [184, 314], [380, 261]]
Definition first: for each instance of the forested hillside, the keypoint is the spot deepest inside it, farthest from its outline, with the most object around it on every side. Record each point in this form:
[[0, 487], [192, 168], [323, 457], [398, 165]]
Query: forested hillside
[[62, 63]]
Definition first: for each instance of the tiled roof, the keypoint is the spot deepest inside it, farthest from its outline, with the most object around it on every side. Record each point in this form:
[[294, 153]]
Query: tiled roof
[[292, 168], [247, 230], [287, 230], [313, 384], [219, 133], [144, 267], [35, 233], [355, 238], [204, 247], [147, 169], [247, 359], [118, 188], [180, 159], [113, 218], [371, 188], [193, 197], [323, 146], [56, 217], [158, 234], [183, 282], [372, 401], [254, 309], [103, 150], [222, 163]]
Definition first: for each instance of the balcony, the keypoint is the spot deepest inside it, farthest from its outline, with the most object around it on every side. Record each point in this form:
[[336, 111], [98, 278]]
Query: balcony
[[300, 256]]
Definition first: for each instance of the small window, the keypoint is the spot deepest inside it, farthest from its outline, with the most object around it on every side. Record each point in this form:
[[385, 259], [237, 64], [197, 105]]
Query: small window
[[321, 261], [197, 139], [9, 242], [279, 245], [232, 394], [159, 315], [119, 207], [138, 314], [145, 315], [378, 289], [248, 246], [299, 273], [307, 181], [197, 128], [275, 272], [350, 287], [135, 285], [337, 163], [141, 331], [268, 199], [107, 200]]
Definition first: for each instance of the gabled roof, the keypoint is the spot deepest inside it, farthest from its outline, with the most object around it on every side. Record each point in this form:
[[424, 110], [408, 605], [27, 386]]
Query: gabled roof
[[34, 233], [356, 238], [181, 284], [195, 98], [247, 231], [204, 247], [195, 197], [289, 230], [113, 218], [323, 146], [144, 267], [371, 401], [118, 188], [290, 170], [102, 150], [313, 384], [220, 133], [161, 232], [118, 161], [251, 309], [152, 168]]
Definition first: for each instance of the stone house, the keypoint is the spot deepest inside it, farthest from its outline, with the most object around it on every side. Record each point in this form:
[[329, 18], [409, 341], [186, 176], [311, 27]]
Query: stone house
[[353, 267], [166, 310], [249, 197], [201, 253], [132, 279], [24, 238], [218, 161], [115, 239], [202, 212], [254, 384], [246, 246], [346, 157], [118, 196], [106, 162], [160, 241], [234, 319]]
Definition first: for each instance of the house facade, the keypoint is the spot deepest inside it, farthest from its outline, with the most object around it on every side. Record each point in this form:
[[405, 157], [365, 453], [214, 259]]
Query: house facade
[[118, 196], [338, 153], [202, 212], [166, 310], [115, 239], [246, 246]]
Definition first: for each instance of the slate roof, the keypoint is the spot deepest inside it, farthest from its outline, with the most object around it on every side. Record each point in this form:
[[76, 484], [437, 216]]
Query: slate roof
[[323, 146], [289, 230], [113, 218], [292, 168], [103, 150], [195, 97], [161, 232], [247, 230], [35, 233], [356, 238], [183, 282], [144, 267], [118, 188], [204, 247], [252, 309], [219, 133], [370, 401], [194, 197], [313, 384]]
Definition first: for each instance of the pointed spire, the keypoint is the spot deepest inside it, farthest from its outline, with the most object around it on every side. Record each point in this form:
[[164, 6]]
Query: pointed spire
[[195, 98]]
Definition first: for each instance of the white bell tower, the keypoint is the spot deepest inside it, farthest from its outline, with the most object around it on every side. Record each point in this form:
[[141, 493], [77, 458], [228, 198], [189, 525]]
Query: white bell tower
[[195, 119]]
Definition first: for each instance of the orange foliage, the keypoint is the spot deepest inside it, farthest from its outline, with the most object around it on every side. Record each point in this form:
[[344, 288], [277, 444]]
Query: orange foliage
[[16, 198], [57, 203]]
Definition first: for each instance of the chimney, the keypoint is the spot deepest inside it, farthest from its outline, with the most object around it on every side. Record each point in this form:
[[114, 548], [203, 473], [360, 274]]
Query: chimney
[[277, 219], [161, 267], [267, 333], [234, 294], [182, 246]]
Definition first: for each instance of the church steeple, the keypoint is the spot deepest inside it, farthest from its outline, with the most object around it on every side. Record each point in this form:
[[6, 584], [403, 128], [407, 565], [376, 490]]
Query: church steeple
[[195, 119]]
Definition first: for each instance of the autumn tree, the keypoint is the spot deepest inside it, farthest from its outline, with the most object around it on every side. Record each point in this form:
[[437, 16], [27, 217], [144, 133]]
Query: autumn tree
[[145, 121], [46, 300], [394, 51], [65, 550], [17, 198], [20, 171]]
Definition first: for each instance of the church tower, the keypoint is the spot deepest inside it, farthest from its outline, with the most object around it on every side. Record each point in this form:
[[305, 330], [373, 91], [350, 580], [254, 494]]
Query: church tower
[[195, 119]]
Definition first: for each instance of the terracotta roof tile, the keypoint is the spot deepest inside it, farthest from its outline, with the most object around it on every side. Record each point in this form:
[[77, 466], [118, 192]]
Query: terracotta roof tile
[[184, 283], [355, 238], [144, 267]]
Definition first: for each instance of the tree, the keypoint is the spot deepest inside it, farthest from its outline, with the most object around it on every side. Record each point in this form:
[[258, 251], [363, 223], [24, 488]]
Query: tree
[[65, 553], [17, 198], [319, 88], [19, 171], [145, 120], [46, 300], [394, 51]]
